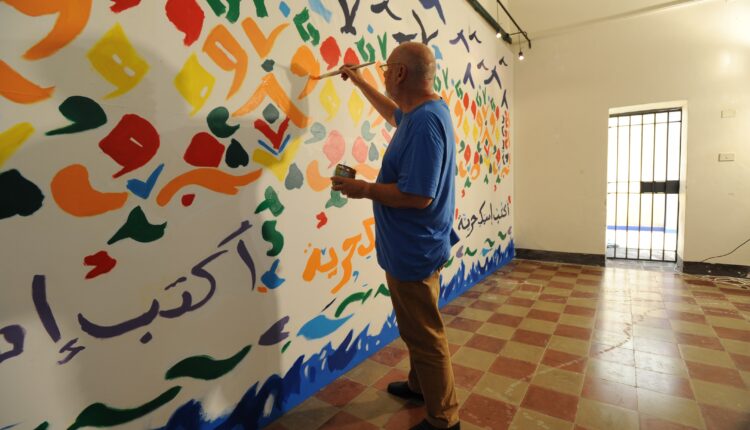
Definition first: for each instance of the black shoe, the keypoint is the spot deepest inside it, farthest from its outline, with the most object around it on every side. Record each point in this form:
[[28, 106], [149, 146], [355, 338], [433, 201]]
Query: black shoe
[[401, 389], [424, 425]]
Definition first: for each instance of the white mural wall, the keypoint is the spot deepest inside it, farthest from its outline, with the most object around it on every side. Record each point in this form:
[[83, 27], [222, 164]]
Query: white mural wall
[[172, 253]]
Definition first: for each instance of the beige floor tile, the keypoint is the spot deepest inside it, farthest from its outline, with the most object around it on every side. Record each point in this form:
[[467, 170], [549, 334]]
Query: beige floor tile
[[368, 372], [577, 320], [522, 351], [309, 415], [721, 395], [601, 416], [582, 302], [693, 328], [476, 314], [547, 306], [736, 346], [539, 326], [654, 333], [404, 365], [557, 291], [563, 279], [501, 388], [670, 408], [374, 406], [614, 372], [728, 322], [707, 356], [494, 298], [559, 380], [650, 310], [474, 358], [518, 311], [745, 377], [462, 394], [616, 339], [615, 310], [526, 419], [660, 363], [496, 330], [569, 345], [462, 301], [683, 307], [457, 337], [482, 286]]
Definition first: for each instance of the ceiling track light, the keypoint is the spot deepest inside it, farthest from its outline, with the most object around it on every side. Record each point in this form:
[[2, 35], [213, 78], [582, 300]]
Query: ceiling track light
[[520, 43], [499, 32]]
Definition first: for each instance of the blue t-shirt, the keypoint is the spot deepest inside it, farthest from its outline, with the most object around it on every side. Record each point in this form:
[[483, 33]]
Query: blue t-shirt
[[421, 159]]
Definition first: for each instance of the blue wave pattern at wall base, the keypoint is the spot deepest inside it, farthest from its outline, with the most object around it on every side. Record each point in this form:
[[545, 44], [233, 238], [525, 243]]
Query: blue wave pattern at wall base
[[259, 407]]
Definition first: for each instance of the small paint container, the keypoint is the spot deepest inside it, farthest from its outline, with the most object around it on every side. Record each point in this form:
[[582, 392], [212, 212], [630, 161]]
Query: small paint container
[[345, 171]]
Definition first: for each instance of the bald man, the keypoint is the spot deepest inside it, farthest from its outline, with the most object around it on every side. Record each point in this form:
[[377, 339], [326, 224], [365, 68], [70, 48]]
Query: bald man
[[413, 203]]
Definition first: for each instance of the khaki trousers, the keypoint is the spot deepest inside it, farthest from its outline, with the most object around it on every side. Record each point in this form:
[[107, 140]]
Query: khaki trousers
[[422, 329]]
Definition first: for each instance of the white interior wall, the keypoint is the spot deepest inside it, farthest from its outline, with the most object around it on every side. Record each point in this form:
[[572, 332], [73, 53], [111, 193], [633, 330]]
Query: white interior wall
[[699, 53]]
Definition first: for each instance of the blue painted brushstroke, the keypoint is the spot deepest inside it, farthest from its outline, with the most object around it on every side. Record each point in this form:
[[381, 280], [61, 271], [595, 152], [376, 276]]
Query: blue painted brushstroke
[[305, 378], [270, 279], [318, 7], [438, 54], [284, 8], [321, 326]]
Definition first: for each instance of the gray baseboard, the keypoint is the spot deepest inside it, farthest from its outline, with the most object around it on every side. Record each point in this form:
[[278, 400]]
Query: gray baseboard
[[697, 268], [561, 257]]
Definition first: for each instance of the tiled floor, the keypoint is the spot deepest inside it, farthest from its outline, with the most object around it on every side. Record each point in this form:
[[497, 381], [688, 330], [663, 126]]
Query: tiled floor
[[553, 346]]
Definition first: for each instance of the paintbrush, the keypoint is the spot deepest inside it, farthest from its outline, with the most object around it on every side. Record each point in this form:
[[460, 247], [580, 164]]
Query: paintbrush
[[338, 72]]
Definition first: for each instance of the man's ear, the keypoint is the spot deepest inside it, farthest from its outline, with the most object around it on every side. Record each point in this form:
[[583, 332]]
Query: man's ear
[[401, 77]]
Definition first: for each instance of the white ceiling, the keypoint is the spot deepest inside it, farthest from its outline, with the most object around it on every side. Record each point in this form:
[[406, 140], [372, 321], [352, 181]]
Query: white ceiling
[[541, 17]]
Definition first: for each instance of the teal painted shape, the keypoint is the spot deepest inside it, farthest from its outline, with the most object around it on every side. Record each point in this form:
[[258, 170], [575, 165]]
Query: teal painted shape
[[272, 236], [138, 228], [295, 178], [272, 203], [336, 200], [205, 367], [373, 154], [83, 112], [217, 122], [270, 113], [101, 415], [236, 155], [318, 132], [321, 326]]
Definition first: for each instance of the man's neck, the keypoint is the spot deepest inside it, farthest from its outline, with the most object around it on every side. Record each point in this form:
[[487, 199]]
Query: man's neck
[[412, 102]]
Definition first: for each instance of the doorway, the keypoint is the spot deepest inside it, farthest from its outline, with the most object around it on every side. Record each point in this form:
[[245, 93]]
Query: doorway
[[643, 184]]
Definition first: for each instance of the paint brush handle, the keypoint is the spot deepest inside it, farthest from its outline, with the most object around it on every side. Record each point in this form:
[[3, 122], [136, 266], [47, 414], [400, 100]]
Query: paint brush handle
[[338, 72]]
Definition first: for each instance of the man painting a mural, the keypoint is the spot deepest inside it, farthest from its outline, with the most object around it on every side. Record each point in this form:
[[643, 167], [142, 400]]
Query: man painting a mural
[[413, 203]]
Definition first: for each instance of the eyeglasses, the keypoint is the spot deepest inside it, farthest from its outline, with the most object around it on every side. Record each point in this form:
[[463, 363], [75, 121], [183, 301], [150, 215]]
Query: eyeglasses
[[384, 67]]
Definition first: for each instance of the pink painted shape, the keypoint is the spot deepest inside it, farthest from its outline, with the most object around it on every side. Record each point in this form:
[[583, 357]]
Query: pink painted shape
[[386, 136], [334, 147], [359, 150]]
